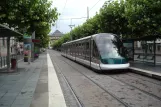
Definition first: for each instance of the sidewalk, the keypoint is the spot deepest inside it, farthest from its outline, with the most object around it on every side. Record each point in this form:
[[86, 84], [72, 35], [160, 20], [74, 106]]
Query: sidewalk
[[34, 85], [17, 89], [146, 69]]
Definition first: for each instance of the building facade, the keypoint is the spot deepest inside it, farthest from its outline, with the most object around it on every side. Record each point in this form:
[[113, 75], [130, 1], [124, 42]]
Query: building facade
[[54, 37]]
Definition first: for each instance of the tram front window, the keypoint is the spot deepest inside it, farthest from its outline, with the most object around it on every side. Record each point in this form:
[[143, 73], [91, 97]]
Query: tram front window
[[109, 51]]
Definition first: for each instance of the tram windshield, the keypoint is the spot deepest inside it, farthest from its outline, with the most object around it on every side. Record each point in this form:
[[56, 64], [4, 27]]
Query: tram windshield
[[107, 46]]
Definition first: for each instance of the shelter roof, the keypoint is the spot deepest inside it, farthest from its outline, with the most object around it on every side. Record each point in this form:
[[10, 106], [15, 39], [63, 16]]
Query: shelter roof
[[145, 38], [7, 32]]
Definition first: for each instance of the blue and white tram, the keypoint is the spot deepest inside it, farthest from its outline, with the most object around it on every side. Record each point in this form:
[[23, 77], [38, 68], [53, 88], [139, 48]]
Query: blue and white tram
[[98, 51]]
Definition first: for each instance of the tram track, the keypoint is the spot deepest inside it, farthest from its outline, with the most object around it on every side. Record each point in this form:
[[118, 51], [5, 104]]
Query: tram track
[[145, 79], [119, 99], [124, 103], [80, 104], [150, 94]]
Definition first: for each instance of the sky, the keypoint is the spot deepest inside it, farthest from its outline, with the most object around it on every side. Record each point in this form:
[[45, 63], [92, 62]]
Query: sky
[[74, 9]]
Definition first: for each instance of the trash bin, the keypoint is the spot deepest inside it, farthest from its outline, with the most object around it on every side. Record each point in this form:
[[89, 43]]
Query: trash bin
[[36, 55], [25, 58], [13, 63]]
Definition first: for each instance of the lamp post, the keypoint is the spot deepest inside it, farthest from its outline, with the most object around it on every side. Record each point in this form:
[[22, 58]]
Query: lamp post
[[71, 26], [70, 31]]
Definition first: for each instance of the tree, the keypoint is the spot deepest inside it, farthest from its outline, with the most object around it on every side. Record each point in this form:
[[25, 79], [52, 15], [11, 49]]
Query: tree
[[112, 18], [143, 16], [29, 16]]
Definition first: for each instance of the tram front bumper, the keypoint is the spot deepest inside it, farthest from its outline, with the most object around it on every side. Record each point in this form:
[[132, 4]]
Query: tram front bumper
[[114, 66]]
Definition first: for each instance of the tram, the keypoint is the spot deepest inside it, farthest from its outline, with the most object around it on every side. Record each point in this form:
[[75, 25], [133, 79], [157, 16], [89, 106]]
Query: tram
[[98, 51]]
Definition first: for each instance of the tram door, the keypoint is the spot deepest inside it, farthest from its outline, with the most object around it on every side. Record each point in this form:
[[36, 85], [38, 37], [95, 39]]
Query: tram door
[[95, 60]]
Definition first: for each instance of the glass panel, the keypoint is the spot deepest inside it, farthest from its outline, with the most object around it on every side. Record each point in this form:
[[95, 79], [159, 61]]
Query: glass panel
[[108, 49], [108, 46], [95, 53]]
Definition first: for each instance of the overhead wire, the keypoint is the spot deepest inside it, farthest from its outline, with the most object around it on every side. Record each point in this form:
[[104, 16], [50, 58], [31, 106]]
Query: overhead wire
[[62, 11], [64, 6], [78, 17], [94, 5], [84, 15]]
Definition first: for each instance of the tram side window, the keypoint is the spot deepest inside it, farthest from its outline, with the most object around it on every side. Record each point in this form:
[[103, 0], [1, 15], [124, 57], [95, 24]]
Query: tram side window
[[83, 50], [68, 49], [64, 48], [76, 49], [71, 48], [95, 51], [79, 49], [87, 50]]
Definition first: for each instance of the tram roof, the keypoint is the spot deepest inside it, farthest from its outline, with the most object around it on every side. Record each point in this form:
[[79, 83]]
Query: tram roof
[[84, 38], [79, 39]]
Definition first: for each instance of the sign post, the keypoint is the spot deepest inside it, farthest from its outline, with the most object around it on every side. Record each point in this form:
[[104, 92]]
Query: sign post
[[33, 37], [27, 48]]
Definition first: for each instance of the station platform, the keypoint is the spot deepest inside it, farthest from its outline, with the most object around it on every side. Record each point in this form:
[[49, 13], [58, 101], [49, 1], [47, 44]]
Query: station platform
[[33, 85], [147, 69]]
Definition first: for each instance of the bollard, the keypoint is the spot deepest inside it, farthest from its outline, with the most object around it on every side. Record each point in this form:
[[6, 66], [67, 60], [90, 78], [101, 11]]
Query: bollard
[[13, 63], [25, 58]]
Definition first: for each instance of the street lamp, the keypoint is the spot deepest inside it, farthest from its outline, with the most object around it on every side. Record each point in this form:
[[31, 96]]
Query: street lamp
[[71, 30]]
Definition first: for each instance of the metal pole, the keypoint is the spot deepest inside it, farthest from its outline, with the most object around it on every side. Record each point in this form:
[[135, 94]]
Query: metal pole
[[87, 13], [154, 52], [71, 29], [32, 46], [133, 49], [16, 57], [8, 53]]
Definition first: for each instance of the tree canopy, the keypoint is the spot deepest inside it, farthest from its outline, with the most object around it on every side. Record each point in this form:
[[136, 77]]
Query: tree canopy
[[27, 16], [129, 18]]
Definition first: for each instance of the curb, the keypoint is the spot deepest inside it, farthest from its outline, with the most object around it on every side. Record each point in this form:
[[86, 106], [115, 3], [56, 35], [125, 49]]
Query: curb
[[147, 73]]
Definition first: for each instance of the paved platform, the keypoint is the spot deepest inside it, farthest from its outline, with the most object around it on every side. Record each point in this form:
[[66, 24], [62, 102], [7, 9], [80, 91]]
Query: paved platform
[[31, 85], [146, 69]]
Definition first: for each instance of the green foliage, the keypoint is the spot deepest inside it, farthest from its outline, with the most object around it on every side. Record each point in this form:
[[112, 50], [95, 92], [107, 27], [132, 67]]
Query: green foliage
[[143, 16], [129, 18], [29, 16]]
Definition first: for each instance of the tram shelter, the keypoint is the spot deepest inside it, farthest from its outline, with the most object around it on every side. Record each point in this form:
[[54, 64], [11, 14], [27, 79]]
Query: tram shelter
[[7, 33], [146, 49]]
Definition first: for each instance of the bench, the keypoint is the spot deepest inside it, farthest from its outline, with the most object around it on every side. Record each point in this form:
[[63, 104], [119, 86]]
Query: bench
[[145, 57]]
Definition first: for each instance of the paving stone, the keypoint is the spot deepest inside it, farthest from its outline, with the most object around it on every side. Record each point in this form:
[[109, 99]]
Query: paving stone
[[7, 100], [2, 94], [21, 103], [17, 89]]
